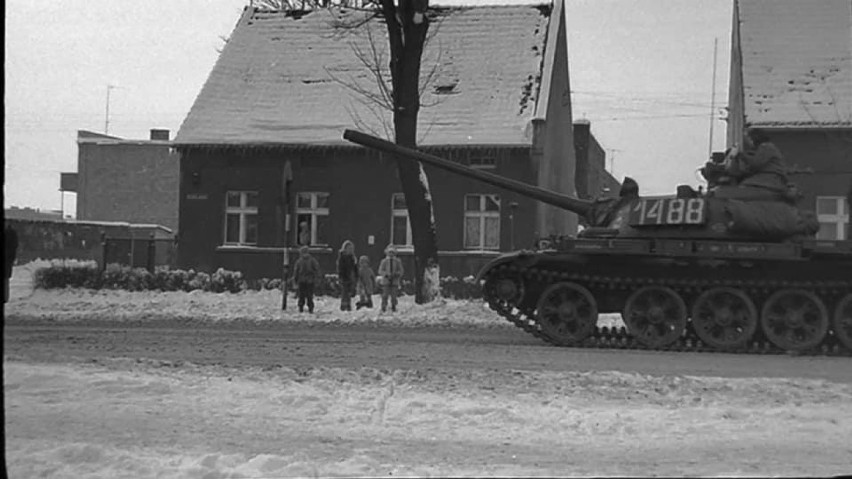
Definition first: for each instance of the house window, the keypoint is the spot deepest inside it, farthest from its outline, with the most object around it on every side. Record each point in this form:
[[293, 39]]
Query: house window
[[483, 162], [482, 222], [833, 216], [400, 225], [241, 218], [312, 218]]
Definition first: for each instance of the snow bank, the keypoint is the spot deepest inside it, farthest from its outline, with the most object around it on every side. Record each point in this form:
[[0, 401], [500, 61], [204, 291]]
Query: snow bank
[[253, 306], [72, 304]]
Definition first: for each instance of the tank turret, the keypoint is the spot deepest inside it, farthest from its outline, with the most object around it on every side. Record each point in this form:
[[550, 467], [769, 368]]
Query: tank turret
[[729, 269]]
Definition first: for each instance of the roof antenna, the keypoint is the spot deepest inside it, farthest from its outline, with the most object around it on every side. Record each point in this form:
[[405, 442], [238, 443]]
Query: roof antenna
[[106, 115]]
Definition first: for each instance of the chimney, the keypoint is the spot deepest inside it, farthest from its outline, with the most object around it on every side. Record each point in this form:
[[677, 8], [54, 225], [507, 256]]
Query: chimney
[[159, 135]]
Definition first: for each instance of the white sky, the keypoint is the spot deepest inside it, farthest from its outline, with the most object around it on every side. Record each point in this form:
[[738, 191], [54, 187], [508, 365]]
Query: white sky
[[641, 72]]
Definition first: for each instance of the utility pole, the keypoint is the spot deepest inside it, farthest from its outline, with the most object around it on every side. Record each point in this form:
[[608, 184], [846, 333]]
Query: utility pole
[[106, 120], [612, 152], [713, 98]]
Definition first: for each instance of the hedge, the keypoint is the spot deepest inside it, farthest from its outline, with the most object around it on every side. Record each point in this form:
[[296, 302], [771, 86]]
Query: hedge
[[74, 274]]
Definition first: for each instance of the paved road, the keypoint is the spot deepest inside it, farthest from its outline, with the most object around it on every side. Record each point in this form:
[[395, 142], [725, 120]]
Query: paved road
[[300, 345]]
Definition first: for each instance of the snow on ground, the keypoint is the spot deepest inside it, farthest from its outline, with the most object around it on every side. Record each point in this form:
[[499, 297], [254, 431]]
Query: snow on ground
[[254, 306], [125, 418], [145, 418]]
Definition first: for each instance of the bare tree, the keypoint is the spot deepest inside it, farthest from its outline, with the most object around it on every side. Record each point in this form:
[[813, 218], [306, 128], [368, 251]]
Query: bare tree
[[407, 24]]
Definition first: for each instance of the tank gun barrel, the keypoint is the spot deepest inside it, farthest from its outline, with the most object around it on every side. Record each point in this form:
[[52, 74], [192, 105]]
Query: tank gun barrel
[[581, 207]]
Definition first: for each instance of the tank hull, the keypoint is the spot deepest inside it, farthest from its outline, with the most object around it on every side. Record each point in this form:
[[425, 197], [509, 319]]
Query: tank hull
[[734, 301]]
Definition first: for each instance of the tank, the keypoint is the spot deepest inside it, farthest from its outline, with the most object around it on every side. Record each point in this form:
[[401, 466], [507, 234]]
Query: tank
[[731, 269]]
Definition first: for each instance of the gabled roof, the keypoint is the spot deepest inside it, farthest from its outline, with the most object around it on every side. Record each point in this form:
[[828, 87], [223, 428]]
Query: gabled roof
[[796, 62], [282, 79]]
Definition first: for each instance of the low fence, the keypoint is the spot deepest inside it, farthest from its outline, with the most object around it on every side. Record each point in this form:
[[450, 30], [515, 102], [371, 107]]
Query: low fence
[[138, 253], [139, 246]]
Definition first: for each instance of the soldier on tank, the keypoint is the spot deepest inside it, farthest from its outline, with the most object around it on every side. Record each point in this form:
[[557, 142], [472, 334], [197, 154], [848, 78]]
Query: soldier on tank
[[760, 164]]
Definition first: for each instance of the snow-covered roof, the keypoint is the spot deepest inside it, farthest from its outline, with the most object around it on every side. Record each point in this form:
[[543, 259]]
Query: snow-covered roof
[[85, 137], [797, 62], [283, 79]]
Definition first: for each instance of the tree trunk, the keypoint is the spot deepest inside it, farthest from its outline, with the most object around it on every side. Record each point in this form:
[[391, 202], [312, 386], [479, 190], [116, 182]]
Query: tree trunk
[[407, 27]]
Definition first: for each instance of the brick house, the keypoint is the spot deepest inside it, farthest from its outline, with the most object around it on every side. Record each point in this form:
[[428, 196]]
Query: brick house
[[791, 75], [134, 181], [592, 178], [287, 84]]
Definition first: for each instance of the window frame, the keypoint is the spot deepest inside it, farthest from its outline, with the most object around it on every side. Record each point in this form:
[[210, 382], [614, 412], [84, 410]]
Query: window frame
[[482, 162], [243, 211], [482, 214], [840, 219], [398, 213], [314, 212]]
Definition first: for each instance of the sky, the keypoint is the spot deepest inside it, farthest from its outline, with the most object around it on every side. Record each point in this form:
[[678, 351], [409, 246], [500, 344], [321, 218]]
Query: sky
[[641, 72]]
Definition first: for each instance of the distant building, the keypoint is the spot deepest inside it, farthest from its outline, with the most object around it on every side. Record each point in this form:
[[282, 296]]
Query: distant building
[[135, 181], [31, 214], [791, 75], [275, 103]]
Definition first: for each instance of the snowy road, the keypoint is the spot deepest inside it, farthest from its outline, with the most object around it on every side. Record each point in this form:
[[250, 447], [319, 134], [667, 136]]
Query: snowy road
[[317, 345]]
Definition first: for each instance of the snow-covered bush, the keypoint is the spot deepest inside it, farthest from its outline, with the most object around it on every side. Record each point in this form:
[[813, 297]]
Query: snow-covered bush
[[460, 288], [199, 280], [76, 274], [224, 280], [68, 273]]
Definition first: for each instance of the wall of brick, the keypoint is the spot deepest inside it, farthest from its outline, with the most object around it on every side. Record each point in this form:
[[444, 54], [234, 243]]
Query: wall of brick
[[132, 182], [360, 183]]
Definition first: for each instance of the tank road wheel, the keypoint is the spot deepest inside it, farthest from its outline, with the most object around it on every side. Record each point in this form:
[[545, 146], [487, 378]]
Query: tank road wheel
[[567, 313], [794, 320], [724, 318], [843, 321], [504, 291], [655, 316]]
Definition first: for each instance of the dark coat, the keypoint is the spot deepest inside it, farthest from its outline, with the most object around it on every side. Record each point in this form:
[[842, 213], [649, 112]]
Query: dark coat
[[347, 268], [10, 244], [762, 167], [306, 270]]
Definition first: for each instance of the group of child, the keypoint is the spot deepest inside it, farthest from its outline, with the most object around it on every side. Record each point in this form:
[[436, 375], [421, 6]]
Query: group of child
[[356, 277]]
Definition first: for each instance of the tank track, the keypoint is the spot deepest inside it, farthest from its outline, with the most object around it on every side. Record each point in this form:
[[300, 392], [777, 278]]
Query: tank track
[[524, 317]]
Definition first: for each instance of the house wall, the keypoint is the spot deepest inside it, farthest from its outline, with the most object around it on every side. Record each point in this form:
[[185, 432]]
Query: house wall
[[553, 142], [827, 152], [592, 178], [360, 183], [132, 182]]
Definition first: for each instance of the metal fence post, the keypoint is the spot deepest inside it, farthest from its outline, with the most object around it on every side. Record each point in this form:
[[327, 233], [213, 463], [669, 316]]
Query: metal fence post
[[103, 251], [152, 251]]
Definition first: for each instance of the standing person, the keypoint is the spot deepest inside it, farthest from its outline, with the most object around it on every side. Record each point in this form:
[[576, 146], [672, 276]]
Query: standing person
[[390, 270], [306, 274], [366, 283], [347, 271], [10, 243], [304, 234]]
